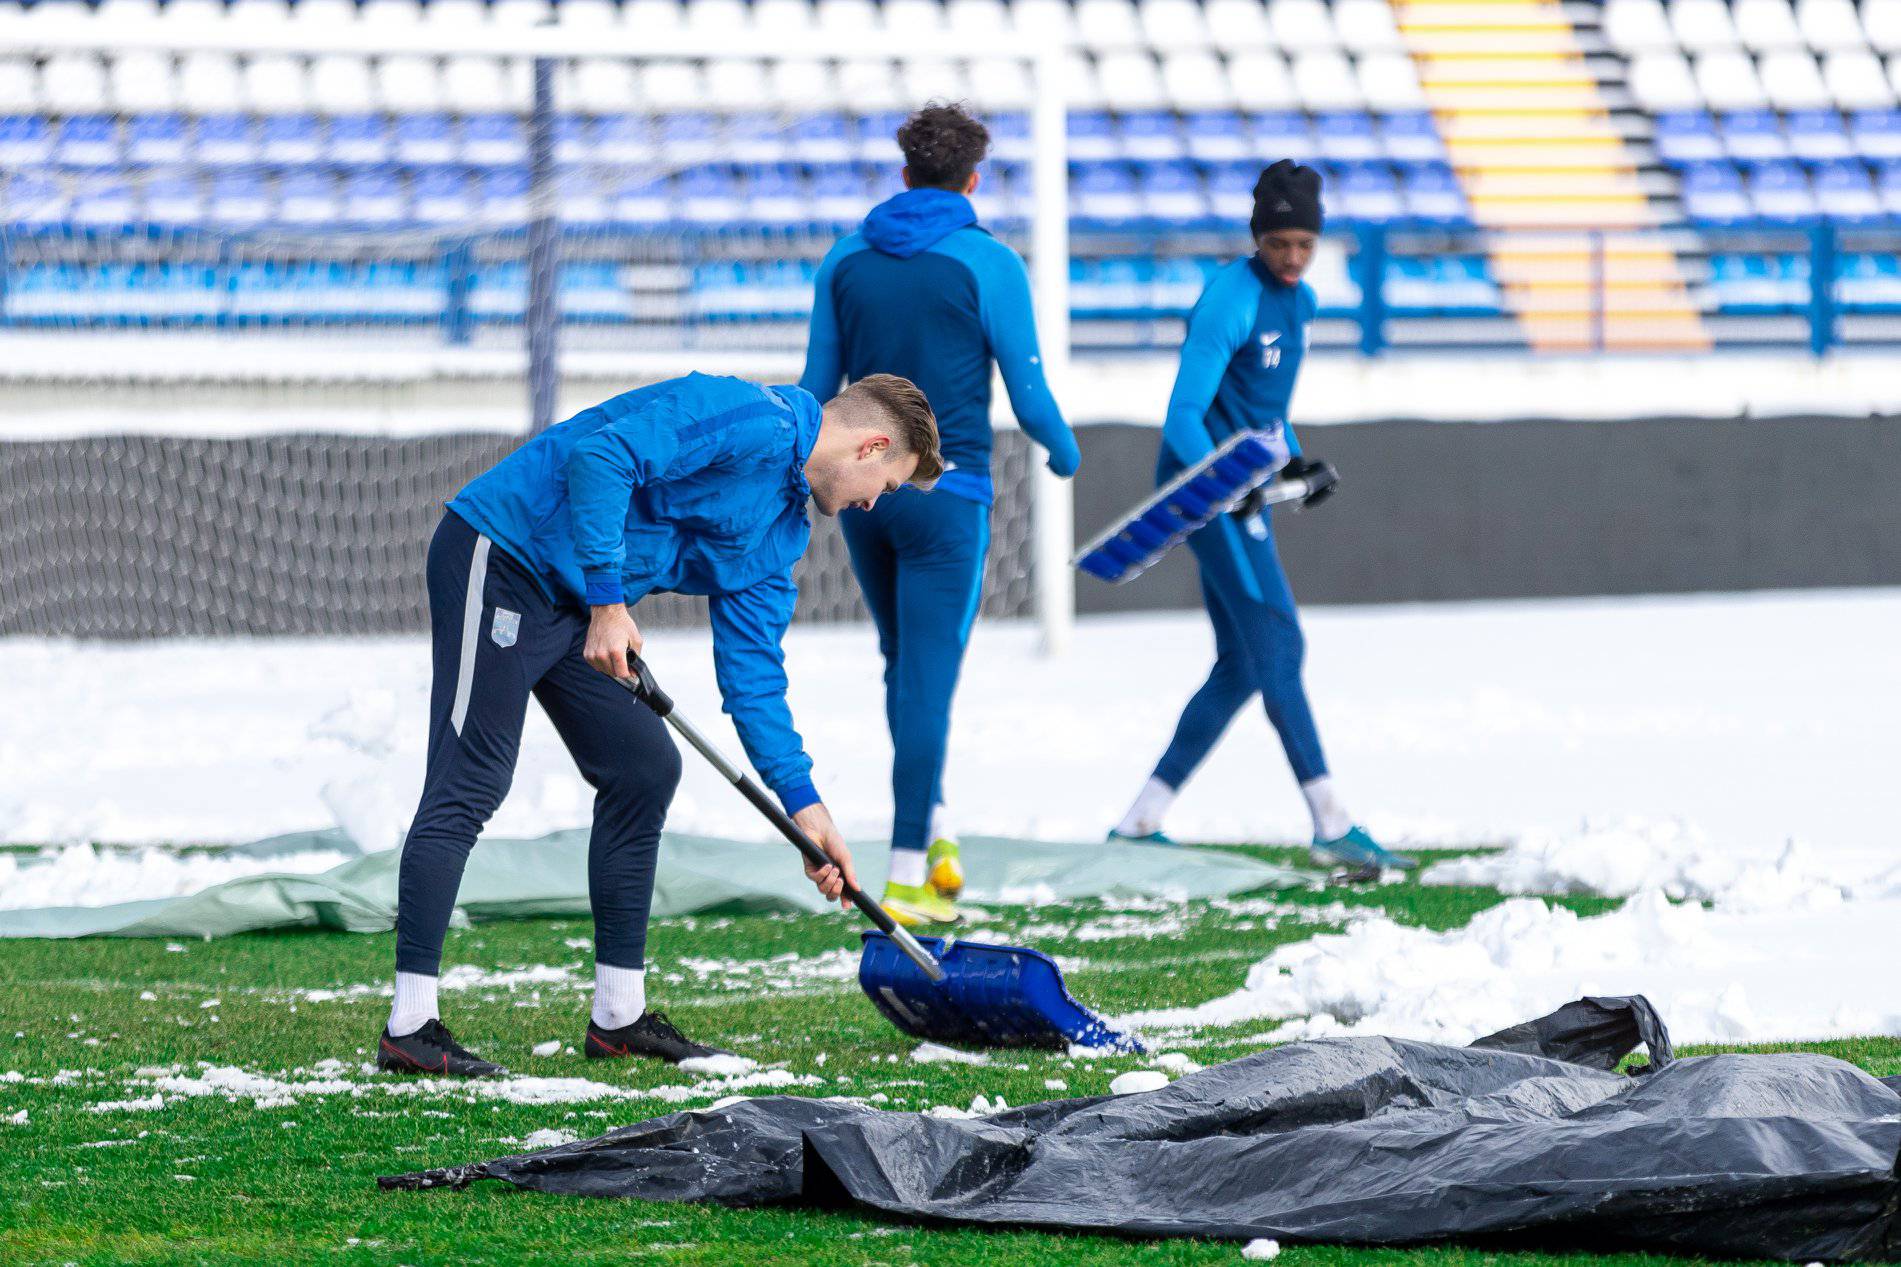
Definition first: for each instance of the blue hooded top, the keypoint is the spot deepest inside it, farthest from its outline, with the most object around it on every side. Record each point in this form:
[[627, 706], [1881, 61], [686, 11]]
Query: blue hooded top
[[691, 486], [922, 291]]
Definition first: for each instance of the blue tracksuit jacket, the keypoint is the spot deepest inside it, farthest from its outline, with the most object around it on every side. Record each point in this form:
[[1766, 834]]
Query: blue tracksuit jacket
[[1246, 339], [691, 486]]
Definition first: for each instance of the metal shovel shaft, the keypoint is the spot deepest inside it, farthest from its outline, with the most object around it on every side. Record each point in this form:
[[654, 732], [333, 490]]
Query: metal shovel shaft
[[647, 690]]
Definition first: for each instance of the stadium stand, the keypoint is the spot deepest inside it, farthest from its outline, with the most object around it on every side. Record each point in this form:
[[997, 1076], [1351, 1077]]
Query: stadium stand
[[1665, 166]]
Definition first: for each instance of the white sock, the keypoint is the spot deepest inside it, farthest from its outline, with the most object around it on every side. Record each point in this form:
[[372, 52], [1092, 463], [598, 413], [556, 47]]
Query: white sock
[[415, 1003], [907, 866], [1331, 820], [620, 995], [1151, 806]]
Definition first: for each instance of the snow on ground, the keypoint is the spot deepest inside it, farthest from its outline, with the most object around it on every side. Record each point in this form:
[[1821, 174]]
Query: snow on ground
[[82, 874]]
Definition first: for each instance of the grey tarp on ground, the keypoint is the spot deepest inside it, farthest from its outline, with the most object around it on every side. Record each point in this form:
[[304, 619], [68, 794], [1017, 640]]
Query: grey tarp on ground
[[515, 879], [1369, 1141]]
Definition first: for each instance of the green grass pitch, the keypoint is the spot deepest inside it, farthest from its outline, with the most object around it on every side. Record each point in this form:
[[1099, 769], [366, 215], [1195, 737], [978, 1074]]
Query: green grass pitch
[[208, 1180]]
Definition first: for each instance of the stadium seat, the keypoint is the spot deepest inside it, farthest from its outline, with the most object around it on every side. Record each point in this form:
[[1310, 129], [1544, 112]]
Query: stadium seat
[[309, 198], [1882, 24], [661, 17], [689, 138], [474, 85], [1002, 85], [1326, 81], [1262, 82], [877, 136], [238, 200], [1197, 81], [1345, 136], [775, 197], [501, 196], [210, 83], [841, 196], [1151, 136], [19, 86], [409, 84], [1663, 82], [1216, 136], [1230, 189], [1767, 26], [793, 18], [25, 141], [275, 83], [88, 140], [341, 84], [1817, 135], [1754, 136], [1856, 82], [626, 140], [1759, 283], [596, 85], [1042, 21], [1728, 82], [1867, 282], [141, 82], [1793, 81], [1781, 191], [373, 199], [1171, 26], [980, 20], [72, 83], [869, 83], [1282, 134], [1303, 26], [1106, 194], [1238, 27], [1687, 137], [1432, 193], [357, 139], [1635, 27], [1109, 26], [1093, 137], [441, 196], [639, 200], [1132, 81], [1844, 192], [1888, 187], [1172, 193], [1713, 193], [579, 199], [1390, 83], [174, 200], [1831, 26], [494, 140], [1876, 133], [424, 138], [1703, 26], [1367, 26], [103, 202], [225, 140], [1369, 192], [289, 139]]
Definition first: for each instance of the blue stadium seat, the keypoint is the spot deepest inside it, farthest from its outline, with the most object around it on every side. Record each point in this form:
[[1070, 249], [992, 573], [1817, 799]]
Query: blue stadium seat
[[239, 200], [225, 140], [422, 139], [1282, 134], [1888, 187], [1347, 136], [754, 136], [1151, 136], [776, 196], [31, 200], [821, 138], [288, 139], [1172, 193], [153, 140], [501, 195], [1754, 136], [1214, 136], [89, 141], [636, 198], [1432, 194], [1868, 282], [1713, 193], [1877, 133], [690, 138], [1093, 137], [626, 139], [1369, 192], [591, 290], [1440, 285], [1177, 282], [1754, 284], [25, 141], [374, 199], [1107, 288], [1816, 136], [494, 140], [580, 198], [499, 291], [103, 200], [711, 196], [1105, 194], [877, 136], [1780, 191], [1412, 137], [1010, 136], [1687, 137], [1844, 192], [309, 197], [358, 139], [441, 196], [573, 139], [174, 200]]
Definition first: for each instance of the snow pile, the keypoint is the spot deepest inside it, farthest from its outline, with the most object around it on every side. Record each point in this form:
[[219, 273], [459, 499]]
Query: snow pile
[[1628, 858], [1138, 1080], [1717, 975], [938, 1054], [549, 1048], [722, 1066], [1261, 1249], [85, 875], [548, 1137]]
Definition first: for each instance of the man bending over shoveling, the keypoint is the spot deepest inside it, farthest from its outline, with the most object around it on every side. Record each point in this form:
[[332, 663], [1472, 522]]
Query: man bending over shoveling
[[693, 486]]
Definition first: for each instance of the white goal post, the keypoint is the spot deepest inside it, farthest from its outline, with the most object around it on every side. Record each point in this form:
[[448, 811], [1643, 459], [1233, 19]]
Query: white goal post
[[52, 365]]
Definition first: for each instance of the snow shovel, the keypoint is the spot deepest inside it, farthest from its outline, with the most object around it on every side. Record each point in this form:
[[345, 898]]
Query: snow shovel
[[1004, 996]]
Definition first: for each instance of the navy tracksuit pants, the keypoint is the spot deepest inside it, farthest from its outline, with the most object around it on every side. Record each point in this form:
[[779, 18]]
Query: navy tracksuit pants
[[919, 558], [1258, 651], [498, 639]]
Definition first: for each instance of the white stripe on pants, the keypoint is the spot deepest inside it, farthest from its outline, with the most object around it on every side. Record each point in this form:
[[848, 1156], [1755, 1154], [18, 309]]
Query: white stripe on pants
[[471, 633]]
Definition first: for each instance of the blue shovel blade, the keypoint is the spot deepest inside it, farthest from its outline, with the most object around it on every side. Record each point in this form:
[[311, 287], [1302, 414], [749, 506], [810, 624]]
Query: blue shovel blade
[[991, 996]]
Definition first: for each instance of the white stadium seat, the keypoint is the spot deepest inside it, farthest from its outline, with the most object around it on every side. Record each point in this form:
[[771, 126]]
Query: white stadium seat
[[1261, 82], [1197, 81], [914, 19], [19, 86], [390, 15], [1108, 25], [868, 84], [1894, 72], [1174, 25], [1238, 26], [804, 83], [1703, 26], [923, 79], [1325, 81], [660, 17], [1390, 83], [341, 84], [119, 13], [1082, 88], [1832, 26], [1767, 26], [1638, 26], [1856, 82], [1302, 25], [209, 83], [716, 17], [1131, 81], [1040, 20], [408, 83], [597, 85], [979, 19], [1882, 24], [588, 15], [1662, 82], [184, 16], [73, 83], [852, 26], [515, 14], [274, 84], [1366, 26], [1001, 85], [670, 86], [268, 15], [782, 17], [1728, 82], [314, 14], [1794, 82], [142, 83]]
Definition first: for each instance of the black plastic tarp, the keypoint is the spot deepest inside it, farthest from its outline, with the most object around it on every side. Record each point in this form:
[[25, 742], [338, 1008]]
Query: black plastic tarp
[[1524, 1138]]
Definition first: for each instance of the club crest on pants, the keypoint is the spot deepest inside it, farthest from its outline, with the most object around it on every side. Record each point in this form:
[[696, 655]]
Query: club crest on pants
[[507, 625]]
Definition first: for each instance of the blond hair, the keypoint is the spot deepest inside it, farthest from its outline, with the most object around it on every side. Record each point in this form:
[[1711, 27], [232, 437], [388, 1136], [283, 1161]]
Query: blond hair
[[913, 424]]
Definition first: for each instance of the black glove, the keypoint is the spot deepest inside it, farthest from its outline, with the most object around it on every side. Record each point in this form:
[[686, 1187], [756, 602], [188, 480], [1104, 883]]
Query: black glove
[[1321, 476]]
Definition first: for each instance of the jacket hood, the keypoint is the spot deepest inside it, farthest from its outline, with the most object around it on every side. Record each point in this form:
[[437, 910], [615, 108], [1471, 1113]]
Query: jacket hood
[[913, 221]]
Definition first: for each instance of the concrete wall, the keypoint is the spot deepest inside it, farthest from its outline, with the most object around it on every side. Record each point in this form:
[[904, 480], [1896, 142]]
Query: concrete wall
[[1440, 510]]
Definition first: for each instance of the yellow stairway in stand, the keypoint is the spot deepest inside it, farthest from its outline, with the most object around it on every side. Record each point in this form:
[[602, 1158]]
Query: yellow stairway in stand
[[1539, 158]]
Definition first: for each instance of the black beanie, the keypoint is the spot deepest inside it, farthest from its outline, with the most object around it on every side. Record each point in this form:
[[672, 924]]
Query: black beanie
[[1287, 196]]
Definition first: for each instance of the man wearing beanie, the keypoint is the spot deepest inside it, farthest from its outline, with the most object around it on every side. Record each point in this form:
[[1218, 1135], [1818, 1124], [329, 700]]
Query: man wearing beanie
[[1246, 338]]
